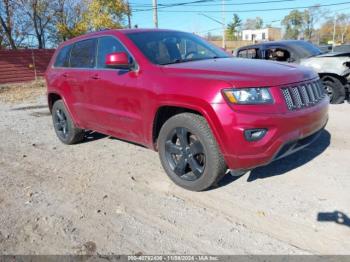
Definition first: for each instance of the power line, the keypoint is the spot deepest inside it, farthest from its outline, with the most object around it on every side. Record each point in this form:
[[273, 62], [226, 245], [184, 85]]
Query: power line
[[254, 10], [210, 30], [211, 18], [178, 4], [228, 4]]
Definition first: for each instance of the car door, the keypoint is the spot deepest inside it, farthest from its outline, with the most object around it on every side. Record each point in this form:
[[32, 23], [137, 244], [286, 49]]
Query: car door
[[115, 94], [82, 62]]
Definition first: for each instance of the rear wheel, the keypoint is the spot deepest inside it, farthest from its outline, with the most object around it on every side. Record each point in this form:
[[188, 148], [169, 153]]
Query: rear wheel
[[65, 129], [189, 153], [335, 89]]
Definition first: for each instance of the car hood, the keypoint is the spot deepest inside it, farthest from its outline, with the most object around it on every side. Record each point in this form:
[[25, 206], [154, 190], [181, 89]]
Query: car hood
[[334, 54], [333, 63], [242, 72]]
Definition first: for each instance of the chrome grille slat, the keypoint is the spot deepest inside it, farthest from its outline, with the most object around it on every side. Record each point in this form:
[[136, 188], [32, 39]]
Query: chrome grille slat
[[288, 98], [314, 87], [296, 97], [303, 95], [311, 93]]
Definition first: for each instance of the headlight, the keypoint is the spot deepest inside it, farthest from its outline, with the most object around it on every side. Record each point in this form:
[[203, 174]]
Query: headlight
[[248, 96]]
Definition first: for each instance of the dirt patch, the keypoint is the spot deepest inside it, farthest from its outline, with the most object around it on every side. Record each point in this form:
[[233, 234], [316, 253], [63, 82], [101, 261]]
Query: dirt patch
[[105, 196], [22, 92]]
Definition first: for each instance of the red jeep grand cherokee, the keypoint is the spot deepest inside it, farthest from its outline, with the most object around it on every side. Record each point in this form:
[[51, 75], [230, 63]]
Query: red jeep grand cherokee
[[204, 111]]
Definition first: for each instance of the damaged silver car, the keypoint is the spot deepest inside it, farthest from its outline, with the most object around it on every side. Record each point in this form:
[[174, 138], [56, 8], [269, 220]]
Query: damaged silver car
[[333, 68]]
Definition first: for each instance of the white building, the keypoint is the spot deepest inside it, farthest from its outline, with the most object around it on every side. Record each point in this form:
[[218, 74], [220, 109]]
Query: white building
[[264, 34]]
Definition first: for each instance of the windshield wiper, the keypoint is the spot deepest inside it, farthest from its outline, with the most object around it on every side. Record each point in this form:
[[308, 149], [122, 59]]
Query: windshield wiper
[[176, 61]]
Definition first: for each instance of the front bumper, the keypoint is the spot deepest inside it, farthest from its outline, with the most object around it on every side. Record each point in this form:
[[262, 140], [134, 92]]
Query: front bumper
[[287, 133]]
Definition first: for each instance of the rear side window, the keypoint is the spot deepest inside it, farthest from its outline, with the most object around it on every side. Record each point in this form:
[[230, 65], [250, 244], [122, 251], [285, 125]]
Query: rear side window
[[248, 53], [107, 45], [83, 54], [62, 59]]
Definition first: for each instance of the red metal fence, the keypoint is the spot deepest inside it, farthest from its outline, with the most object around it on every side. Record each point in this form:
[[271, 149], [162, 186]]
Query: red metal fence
[[23, 65]]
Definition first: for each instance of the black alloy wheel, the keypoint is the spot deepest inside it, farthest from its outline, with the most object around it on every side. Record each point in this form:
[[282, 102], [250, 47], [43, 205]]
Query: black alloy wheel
[[64, 126], [189, 152], [61, 124], [185, 154]]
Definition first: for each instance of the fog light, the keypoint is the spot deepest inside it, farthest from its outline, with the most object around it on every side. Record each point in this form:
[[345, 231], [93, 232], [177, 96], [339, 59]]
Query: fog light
[[254, 134]]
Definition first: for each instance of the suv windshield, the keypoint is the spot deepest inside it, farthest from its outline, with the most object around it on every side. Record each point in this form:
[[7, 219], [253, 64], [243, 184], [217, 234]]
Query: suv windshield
[[169, 47]]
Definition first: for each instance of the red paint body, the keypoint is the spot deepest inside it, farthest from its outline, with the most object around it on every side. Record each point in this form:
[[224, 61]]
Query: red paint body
[[124, 104]]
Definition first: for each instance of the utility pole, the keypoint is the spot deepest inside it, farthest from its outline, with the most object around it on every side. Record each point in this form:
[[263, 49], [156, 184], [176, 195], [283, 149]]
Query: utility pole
[[334, 28], [129, 14], [155, 13], [223, 25]]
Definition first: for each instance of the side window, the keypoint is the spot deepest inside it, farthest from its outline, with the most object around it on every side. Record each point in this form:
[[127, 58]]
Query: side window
[[278, 54], [62, 59], [248, 53], [107, 45], [242, 53], [83, 54]]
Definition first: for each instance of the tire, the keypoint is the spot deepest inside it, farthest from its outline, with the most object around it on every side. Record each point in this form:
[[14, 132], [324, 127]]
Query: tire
[[64, 127], [189, 152], [335, 89]]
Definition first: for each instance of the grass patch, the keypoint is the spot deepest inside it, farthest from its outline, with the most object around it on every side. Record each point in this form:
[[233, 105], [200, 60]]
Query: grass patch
[[22, 92]]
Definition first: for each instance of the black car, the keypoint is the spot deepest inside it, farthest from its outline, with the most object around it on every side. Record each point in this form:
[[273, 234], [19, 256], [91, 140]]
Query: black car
[[283, 51]]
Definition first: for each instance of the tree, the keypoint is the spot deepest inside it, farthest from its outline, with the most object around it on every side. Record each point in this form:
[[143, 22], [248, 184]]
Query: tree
[[104, 14], [70, 20], [7, 8], [13, 26], [233, 28], [79, 17], [2, 38], [310, 17], [40, 14], [343, 22], [51, 22], [256, 23], [326, 31], [293, 24], [342, 29], [259, 23]]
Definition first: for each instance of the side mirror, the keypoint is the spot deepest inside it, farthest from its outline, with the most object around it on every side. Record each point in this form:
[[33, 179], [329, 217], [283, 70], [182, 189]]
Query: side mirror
[[117, 60]]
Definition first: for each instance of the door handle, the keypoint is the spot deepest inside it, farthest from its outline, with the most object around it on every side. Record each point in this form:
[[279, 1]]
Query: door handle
[[95, 77]]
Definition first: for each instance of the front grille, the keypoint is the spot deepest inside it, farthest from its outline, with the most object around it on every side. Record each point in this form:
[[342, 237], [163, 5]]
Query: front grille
[[303, 95]]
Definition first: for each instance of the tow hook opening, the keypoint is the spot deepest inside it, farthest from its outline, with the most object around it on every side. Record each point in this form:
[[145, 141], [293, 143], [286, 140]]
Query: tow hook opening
[[255, 134]]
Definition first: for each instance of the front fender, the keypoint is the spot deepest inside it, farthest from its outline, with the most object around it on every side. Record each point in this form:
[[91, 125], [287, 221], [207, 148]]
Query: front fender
[[204, 108]]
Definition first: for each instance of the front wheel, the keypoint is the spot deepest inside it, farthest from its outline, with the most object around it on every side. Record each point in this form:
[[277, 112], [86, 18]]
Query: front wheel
[[334, 89], [189, 153]]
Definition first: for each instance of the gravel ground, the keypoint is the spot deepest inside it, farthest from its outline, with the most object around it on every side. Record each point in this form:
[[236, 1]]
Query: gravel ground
[[106, 196]]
